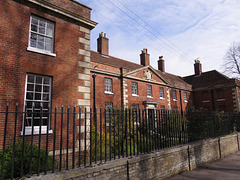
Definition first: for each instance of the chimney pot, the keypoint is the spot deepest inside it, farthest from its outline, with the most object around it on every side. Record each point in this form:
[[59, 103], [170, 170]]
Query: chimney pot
[[198, 67], [144, 57], [102, 43], [161, 64]]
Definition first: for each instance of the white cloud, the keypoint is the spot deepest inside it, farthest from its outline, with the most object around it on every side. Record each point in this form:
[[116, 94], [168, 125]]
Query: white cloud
[[199, 28]]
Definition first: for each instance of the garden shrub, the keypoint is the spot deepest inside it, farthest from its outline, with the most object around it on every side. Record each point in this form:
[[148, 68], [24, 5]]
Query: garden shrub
[[26, 160]]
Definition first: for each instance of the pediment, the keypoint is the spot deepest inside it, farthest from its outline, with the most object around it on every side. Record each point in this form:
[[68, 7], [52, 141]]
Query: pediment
[[146, 73]]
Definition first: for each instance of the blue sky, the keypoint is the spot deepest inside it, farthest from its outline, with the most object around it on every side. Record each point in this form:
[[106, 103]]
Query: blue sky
[[180, 31]]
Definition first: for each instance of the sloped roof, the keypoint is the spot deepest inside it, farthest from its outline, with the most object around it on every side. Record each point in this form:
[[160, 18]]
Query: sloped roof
[[113, 61], [174, 80], [206, 77]]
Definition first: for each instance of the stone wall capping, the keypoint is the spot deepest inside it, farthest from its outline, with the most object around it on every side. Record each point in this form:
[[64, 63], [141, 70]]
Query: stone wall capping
[[177, 154]]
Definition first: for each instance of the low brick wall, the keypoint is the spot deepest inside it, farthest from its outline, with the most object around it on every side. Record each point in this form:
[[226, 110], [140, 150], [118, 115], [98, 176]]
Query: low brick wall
[[158, 165]]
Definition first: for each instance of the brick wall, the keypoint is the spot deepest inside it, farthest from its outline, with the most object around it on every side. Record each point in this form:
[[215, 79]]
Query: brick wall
[[71, 46]]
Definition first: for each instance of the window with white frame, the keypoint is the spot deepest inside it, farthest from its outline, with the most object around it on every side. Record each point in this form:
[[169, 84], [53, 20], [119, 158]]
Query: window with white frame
[[161, 91], [185, 96], [174, 95], [108, 111], [162, 108], [108, 85], [37, 102], [134, 88], [149, 91], [41, 35], [135, 111], [175, 109]]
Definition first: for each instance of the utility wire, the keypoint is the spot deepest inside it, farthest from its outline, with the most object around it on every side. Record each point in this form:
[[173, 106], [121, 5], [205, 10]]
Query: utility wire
[[148, 29], [169, 48], [154, 29], [140, 39]]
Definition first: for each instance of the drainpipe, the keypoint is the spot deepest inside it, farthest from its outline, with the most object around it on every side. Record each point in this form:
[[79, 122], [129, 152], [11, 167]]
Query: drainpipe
[[213, 103], [121, 85], [94, 96], [180, 92]]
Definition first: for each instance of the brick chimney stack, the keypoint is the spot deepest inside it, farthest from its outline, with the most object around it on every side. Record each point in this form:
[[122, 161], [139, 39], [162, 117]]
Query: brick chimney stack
[[198, 67], [102, 44], [161, 65], [144, 57]]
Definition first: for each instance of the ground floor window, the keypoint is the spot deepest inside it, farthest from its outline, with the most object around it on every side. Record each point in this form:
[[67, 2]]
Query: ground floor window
[[135, 108], [37, 102], [108, 110]]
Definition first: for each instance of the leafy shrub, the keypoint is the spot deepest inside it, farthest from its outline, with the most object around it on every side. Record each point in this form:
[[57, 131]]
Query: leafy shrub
[[26, 160]]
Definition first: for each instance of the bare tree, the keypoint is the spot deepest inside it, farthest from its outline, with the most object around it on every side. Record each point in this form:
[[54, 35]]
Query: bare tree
[[232, 61]]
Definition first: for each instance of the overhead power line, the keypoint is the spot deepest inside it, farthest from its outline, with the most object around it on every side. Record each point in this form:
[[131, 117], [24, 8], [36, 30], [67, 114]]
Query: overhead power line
[[166, 39]]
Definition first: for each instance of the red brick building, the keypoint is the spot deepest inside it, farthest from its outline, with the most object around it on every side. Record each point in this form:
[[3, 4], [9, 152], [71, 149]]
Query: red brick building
[[45, 58], [120, 83], [214, 91]]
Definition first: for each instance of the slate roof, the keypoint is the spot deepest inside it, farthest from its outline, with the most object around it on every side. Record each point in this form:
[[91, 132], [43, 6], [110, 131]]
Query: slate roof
[[174, 80], [210, 76]]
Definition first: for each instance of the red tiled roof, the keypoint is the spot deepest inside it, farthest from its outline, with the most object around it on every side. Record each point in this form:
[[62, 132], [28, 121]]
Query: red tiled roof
[[174, 80]]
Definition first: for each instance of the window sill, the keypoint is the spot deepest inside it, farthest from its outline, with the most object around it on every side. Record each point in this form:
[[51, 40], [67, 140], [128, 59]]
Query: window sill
[[106, 92], [40, 51], [135, 95], [185, 101], [28, 131], [149, 97], [175, 100], [220, 100], [162, 98], [205, 101]]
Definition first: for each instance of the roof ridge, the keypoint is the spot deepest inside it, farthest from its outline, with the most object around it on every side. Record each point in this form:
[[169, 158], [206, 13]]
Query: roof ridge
[[116, 58]]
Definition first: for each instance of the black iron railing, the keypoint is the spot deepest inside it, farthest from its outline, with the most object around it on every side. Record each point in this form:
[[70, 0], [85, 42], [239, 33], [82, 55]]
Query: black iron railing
[[78, 137]]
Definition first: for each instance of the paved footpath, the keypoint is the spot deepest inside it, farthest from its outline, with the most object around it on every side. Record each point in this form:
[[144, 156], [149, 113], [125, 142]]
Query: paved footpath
[[227, 168]]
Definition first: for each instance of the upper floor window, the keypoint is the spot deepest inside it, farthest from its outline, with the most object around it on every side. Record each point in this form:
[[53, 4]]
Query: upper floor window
[[134, 88], [41, 36], [220, 95], [185, 96], [149, 90], [108, 85], [161, 91], [38, 102], [174, 95]]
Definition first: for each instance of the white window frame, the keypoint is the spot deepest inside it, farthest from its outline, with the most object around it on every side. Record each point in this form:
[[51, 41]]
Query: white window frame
[[162, 107], [108, 86], [174, 95], [149, 91], [44, 36], [185, 96], [135, 108], [108, 108], [161, 92], [134, 89], [175, 109], [29, 107]]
